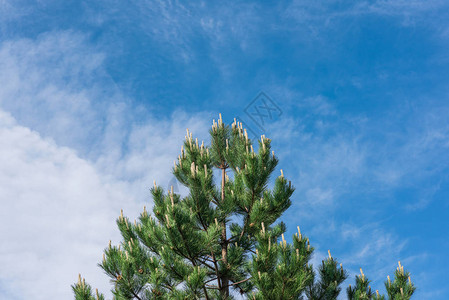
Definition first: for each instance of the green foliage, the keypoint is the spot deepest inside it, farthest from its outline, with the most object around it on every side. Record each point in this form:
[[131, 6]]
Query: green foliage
[[362, 290], [401, 288], [83, 291], [331, 277], [224, 235]]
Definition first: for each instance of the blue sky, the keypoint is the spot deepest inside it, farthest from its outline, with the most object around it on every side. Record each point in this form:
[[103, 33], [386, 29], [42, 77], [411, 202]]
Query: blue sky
[[95, 97]]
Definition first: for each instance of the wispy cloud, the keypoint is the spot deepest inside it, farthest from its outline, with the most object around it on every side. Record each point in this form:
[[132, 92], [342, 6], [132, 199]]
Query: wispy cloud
[[342, 173], [326, 161], [334, 155], [328, 10], [424, 199], [51, 79]]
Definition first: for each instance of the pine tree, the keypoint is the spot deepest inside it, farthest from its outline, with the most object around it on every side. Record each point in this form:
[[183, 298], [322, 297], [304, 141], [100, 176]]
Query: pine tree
[[224, 237]]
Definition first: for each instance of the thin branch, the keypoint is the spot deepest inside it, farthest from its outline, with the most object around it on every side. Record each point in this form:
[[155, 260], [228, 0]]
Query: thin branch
[[212, 287], [224, 246], [212, 279], [136, 296], [241, 281], [216, 270]]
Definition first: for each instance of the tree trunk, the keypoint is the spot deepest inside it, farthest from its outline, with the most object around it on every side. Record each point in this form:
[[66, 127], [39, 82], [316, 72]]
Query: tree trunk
[[224, 245]]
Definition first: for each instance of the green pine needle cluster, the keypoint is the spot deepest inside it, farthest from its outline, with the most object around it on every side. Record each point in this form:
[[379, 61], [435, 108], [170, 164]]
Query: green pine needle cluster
[[224, 237]]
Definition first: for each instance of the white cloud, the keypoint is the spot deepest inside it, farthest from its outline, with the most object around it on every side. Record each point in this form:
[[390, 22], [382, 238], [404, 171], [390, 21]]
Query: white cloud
[[59, 210], [64, 175], [151, 148], [57, 216]]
